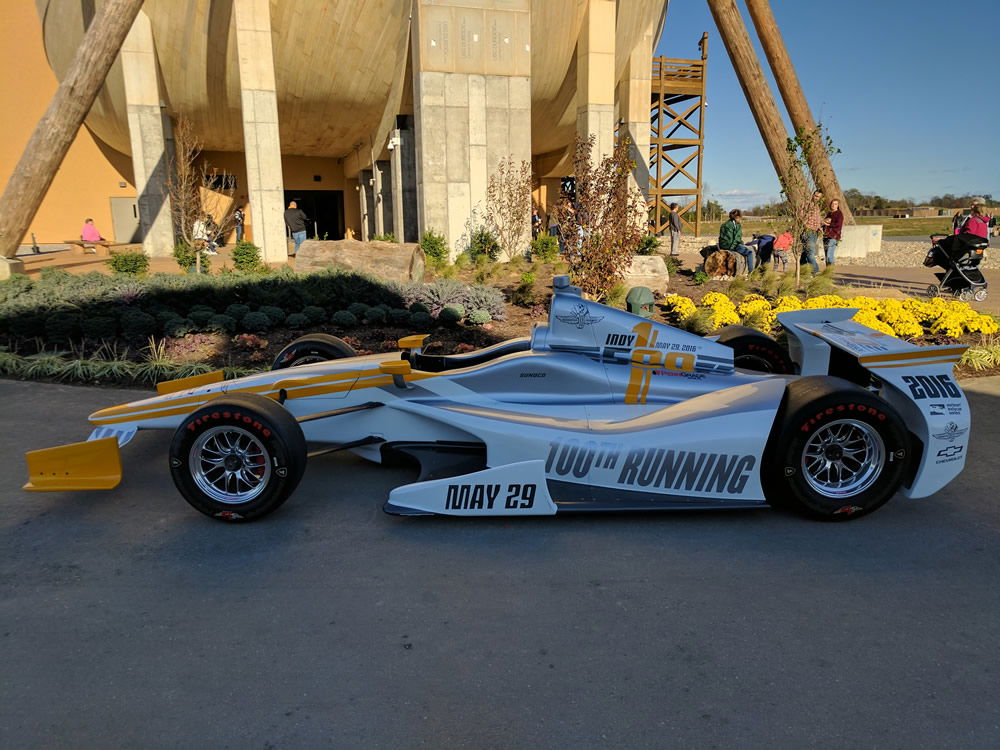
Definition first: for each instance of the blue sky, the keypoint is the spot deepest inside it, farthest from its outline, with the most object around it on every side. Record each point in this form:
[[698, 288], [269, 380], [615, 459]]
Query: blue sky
[[909, 91]]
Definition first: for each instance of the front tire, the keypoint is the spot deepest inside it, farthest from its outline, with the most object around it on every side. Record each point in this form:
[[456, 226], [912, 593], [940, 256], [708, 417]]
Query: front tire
[[316, 347], [837, 451], [238, 458], [753, 350]]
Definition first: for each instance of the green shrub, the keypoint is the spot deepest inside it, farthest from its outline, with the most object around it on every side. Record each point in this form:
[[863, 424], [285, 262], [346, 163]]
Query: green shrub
[[419, 307], [186, 258], [200, 315], [545, 248], [648, 245], [358, 309], [384, 237], [700, 277], [421, 321], [99, 327], [177, 327], [237, 311], [221, 324], [315, 314], [297, 321], [615, 296], [484, 242], [463, 261], [399, 317], [449, 316], [524, 293], [256, 322], [479, 317], [275, 314], [136, 264], [459, 310], [344, 319], [246, 257], [375, 316], [62, 327], [434, 247], [137, 324], [28, 325]]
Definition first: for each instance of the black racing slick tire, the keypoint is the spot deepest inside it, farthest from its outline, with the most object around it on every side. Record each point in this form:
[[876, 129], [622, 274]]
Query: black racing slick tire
[[316, 347], [753, 350], [836, 451], [238, 458]]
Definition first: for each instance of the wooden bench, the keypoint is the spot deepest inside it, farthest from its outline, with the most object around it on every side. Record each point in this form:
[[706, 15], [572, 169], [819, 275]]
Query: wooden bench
[[93, 248]]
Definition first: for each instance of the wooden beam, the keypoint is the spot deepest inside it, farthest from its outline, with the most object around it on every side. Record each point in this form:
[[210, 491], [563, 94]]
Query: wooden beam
[[58, 127], [795, 100], [758, 95]]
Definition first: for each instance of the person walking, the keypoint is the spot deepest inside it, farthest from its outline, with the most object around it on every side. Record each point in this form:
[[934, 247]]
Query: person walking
[[675, 230], [731, 238], [295, 220], [536, 223], [811, 224], [238, 219], [833, 225]]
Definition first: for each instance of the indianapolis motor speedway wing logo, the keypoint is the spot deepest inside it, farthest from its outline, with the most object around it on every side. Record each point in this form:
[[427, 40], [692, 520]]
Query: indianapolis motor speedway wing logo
[[580, 317], [951, 433]]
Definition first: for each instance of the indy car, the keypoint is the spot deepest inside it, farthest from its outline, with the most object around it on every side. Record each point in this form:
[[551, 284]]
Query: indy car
[[597, 410]]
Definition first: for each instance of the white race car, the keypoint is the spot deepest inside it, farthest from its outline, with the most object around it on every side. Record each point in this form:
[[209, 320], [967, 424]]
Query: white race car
[[599, 409]]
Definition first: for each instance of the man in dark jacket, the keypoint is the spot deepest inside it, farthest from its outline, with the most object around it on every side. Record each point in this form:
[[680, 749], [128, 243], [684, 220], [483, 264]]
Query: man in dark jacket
[[731, 238], [295, 220]]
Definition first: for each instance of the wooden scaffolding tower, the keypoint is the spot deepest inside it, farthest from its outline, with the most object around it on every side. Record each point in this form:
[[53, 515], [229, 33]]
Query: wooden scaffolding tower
[[677, 139]]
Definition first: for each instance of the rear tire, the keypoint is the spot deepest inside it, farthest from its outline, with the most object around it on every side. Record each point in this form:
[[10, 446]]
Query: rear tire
[[965, 295], [981, 295], [934, 290], [238, 458], [836, 452], [316, 347], [753, 350]]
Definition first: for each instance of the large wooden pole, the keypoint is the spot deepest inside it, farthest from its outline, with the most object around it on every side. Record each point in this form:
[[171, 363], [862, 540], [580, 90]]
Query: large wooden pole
[[58, 127], [758, 94], [795, 101]]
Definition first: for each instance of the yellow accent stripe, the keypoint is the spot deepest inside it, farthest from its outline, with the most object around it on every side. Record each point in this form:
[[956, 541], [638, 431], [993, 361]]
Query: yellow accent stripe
[[172, 409], [932, 354], [944, 361]]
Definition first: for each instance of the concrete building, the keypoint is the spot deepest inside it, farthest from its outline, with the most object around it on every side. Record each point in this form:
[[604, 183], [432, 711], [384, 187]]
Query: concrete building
[[382, 116]]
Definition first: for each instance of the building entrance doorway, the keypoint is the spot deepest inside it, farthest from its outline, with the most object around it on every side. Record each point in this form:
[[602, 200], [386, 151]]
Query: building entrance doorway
[[324, 209]]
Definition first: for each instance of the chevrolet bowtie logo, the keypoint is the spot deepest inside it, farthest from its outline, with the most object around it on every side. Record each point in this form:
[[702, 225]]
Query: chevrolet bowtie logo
[[951, 450]]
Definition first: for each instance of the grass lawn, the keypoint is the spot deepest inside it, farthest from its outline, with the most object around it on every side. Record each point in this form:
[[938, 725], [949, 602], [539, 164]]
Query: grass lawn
[[890, 227]]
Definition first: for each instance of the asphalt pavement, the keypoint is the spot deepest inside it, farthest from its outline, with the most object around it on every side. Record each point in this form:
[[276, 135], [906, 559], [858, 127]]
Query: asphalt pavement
[[129, 620]]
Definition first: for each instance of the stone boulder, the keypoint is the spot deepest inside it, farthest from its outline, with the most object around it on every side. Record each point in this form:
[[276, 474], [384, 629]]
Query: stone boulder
[[393, 261], [648, 271]]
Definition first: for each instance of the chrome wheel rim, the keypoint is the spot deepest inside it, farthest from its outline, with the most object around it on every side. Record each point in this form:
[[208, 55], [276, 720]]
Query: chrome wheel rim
[[980, 295], [843, 458], [230, 465]]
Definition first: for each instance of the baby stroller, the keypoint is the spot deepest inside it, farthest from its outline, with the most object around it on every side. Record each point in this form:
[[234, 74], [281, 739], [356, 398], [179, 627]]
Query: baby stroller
[[959, 255]]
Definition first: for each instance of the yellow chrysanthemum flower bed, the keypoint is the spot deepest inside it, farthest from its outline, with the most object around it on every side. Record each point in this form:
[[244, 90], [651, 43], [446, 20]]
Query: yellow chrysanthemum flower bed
[[905, 319]]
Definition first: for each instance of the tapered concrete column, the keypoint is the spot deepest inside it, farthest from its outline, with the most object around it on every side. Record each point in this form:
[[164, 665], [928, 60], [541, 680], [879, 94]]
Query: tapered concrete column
[[396, 175], [146, 132], [364, 201], [379, 212], [265, 184], [472, 101], [634, 99], [595, 77]]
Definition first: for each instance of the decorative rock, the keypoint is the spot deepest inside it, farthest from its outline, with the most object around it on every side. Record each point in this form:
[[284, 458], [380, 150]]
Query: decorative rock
[[393, 261], [649, 271]]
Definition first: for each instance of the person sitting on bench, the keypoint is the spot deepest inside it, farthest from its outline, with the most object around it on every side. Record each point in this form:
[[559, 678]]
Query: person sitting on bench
[[731, 238], [89, 232]]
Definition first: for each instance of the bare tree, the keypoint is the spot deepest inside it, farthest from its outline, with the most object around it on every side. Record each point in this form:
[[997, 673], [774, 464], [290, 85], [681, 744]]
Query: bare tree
[[601, 220], [196, 189], [508, 205]]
